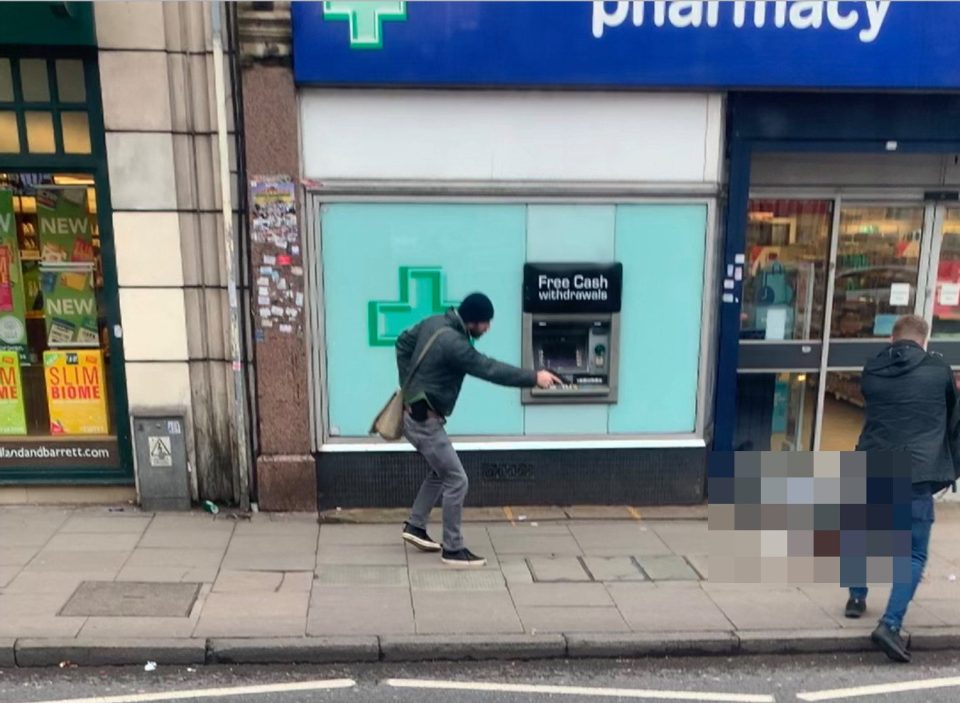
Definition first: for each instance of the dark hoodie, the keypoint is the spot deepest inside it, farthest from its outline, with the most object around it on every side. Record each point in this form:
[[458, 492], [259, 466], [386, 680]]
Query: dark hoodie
[[911, 404]]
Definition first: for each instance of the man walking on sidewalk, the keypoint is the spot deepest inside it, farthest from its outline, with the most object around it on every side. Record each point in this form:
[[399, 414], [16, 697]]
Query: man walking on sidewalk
[[430, 398], [911, 405]]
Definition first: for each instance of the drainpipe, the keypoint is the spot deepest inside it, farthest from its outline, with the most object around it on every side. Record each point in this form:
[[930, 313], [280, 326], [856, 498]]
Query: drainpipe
[[242, 485]]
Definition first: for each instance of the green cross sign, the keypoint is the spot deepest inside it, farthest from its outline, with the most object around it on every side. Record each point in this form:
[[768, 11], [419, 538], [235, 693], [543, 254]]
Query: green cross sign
[[421, 295], [366, 18]]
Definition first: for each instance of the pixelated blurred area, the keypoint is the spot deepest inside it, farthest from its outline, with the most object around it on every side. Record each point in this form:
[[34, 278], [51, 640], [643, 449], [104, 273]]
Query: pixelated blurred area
[[797, 518]]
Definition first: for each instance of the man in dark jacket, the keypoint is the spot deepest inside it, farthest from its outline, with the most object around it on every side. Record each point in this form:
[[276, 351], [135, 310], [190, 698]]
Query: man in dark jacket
[[430, 398], [911, 406]]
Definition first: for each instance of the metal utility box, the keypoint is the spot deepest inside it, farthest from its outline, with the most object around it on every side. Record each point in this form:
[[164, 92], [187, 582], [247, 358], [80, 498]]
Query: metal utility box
[[163, 479]]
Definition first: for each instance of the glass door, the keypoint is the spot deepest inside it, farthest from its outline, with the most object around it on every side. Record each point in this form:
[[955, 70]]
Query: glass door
[[889, 262], [785, 275]]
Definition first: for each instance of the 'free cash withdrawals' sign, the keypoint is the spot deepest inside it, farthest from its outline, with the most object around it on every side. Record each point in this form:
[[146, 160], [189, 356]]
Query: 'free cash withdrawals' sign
[[76, 392], [13, 419]]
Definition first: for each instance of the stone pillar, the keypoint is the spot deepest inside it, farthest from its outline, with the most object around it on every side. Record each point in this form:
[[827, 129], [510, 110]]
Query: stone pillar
[[156, 67], [286, 470]]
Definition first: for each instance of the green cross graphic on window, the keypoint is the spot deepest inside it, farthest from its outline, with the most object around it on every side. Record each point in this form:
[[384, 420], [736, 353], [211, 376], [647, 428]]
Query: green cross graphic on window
[[421, 295], [366, 18]]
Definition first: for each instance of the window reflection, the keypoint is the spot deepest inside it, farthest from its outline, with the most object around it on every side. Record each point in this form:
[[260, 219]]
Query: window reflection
[[785, 279]]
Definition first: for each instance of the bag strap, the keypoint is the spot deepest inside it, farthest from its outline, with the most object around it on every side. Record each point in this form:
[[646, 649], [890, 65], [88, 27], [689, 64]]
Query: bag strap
[[426, 348]]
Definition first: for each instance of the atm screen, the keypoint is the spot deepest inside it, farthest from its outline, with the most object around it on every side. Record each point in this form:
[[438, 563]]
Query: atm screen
[[563, 352]]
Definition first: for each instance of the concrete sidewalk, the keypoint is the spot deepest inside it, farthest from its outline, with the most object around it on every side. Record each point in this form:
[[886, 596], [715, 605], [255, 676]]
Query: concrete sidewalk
[[100, 586]]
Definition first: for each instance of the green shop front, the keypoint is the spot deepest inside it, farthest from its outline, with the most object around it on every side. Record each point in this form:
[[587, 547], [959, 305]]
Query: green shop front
[[63, 414]]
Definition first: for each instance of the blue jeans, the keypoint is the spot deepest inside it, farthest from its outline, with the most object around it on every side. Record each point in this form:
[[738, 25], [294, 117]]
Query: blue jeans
[[902, 593]]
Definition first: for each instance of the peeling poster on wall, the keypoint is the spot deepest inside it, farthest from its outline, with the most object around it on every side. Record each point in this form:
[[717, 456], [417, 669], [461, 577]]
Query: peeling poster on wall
[[276, 255]]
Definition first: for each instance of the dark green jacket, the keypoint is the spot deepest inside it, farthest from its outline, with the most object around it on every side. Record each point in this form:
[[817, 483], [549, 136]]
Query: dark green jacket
[[451, 357], [911, 405]]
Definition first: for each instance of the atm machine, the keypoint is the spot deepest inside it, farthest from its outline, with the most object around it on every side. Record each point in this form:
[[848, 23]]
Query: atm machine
[[571, 326]]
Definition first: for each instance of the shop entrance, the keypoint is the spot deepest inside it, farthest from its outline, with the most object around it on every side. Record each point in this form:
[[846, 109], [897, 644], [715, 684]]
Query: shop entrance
[[823, 282]]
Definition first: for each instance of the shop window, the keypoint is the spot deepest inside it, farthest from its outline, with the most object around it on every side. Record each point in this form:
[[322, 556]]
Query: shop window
[[9, 135], [785, 280], [71, 87], [43, 107], [776, 412], [54, 351], [6, 81]]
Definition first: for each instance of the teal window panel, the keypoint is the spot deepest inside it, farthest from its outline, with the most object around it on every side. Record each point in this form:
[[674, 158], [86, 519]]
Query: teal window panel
[[662, 250]]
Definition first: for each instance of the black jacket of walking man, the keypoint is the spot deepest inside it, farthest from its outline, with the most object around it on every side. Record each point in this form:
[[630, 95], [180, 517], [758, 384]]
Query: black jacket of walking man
[[430, 398], [911, 405]]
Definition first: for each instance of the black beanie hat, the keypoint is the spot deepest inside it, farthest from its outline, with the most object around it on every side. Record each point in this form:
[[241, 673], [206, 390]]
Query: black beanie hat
[[476, 307]]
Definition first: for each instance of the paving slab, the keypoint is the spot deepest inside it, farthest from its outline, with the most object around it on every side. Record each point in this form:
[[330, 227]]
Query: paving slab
[[486, 612], [557, 569], [262, 525], [600, 512], [12, 604], [644, 644], [253, 615], [82, 522], [751, 608], [137, 628], [667, 568], [154, 557], [49, 560], [370, 535], [132, 599], [472, 647], [353, 575], [119, 652], [625, 539], [200, 538], [572, 619], [534, 513], [515, 570], [446, 579], [17, 556], [8, 574], [929, 612], [614, 569], [674, 606], [169, 574], [687, 538], [53, 582], [365, 610], [560, 595], [300, 650], [379, 555], [39, 626]]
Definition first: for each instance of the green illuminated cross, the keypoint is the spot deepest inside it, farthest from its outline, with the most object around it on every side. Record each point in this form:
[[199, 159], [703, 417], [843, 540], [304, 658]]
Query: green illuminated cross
[[421, 295], [366, 18]]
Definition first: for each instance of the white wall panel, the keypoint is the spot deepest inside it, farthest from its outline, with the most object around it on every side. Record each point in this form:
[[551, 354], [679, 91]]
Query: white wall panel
[[510, 136]]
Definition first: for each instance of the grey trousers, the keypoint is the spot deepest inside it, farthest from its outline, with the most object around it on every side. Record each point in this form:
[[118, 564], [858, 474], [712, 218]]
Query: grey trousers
[[446, 479]]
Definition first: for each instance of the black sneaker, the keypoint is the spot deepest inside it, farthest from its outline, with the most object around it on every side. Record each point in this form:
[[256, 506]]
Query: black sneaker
[[855, 607], [891, 643], [418, 537], [462, 557]]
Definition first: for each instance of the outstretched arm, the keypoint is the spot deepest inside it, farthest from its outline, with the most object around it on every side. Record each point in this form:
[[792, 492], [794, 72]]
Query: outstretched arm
[[473, 363]]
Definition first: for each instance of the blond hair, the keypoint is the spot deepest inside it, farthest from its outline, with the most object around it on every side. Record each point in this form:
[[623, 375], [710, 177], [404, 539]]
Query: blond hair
[[912, 327]]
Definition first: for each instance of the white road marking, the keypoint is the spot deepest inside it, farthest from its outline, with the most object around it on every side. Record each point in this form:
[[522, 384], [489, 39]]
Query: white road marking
[[213, 692], [580, 691], [879, 689]]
